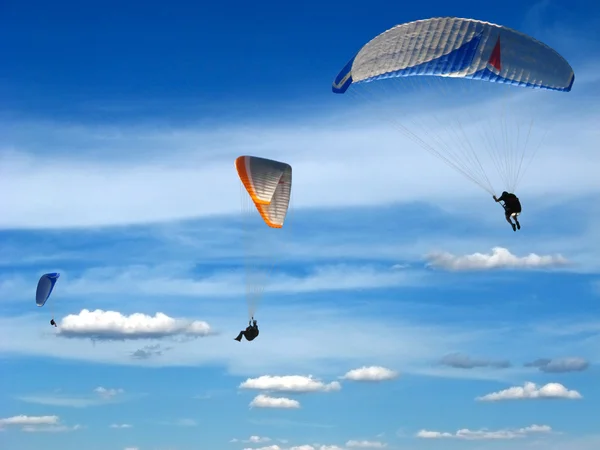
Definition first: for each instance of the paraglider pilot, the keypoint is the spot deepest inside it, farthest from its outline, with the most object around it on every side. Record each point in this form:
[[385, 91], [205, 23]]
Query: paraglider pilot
[[250, 332], [512, 208], [52, 322]]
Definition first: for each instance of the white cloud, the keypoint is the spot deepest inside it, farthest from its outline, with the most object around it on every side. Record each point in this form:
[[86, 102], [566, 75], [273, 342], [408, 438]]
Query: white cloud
[[138, 181], [366, 444], [131, 448], [37, 424], [371, 373], [290, 384], [270, 447], [254, 439], [121, 426], [559, 365], [485, 434], [499, 258], [265, 401], [29, 420], [162, 280], [51, 429], [532, 391], [108, 392], [101, 396], [112, 325], [258, 439]]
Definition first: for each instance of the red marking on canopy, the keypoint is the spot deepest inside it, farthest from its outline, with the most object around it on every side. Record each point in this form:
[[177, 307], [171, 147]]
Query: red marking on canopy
[[495, 58]]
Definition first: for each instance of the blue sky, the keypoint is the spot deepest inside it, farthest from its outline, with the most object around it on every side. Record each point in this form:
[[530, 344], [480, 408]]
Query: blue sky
[[402, 309]]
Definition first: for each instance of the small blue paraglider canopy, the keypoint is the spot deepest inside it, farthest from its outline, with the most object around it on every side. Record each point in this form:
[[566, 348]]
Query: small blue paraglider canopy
[[45, 287]]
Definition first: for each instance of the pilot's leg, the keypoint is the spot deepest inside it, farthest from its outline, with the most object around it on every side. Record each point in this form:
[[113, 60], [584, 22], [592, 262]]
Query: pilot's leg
[[507, 215], [239, 336]]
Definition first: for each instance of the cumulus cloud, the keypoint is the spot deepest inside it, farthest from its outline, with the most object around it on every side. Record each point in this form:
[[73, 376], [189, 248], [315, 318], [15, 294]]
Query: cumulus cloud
[[532, 391], [112, 325], [485, 434], [253, 439], [121, 426], [289, 383], [559, 365], [365, 444], [270, 447], [100, 396], [257, 439], [37, 424], [370, 373], [500, 258], [462, 361], [265, 401]]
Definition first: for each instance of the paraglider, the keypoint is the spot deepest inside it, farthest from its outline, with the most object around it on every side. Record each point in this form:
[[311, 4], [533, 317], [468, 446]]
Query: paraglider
[[512, 208], [268, 185], [473, 63], [250, 332], [45, 287]]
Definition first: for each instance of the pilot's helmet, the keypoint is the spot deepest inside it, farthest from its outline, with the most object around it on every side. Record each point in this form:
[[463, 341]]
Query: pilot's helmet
[[504, 193]]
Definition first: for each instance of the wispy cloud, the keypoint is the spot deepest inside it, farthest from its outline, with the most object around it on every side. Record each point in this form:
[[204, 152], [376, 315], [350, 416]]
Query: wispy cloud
[[288, 423], [253, 439], [184, 422], [101, 396], [137, 181], [51, 429], [462, 361], [187, 423], [161, 280], [365, 444], [121, 426], [149, 351], [532, 391], [29, 420], [37, 424], [390, 341], [472, 435], [559, 365], [500, 258]]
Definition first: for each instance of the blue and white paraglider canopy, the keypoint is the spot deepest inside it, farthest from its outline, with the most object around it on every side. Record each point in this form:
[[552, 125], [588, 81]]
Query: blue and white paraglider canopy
[[45, 287]]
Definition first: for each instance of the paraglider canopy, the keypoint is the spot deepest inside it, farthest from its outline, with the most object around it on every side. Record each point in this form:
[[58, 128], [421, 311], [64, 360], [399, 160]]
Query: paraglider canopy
[[269, 184], [45, 287], [426, 77]]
